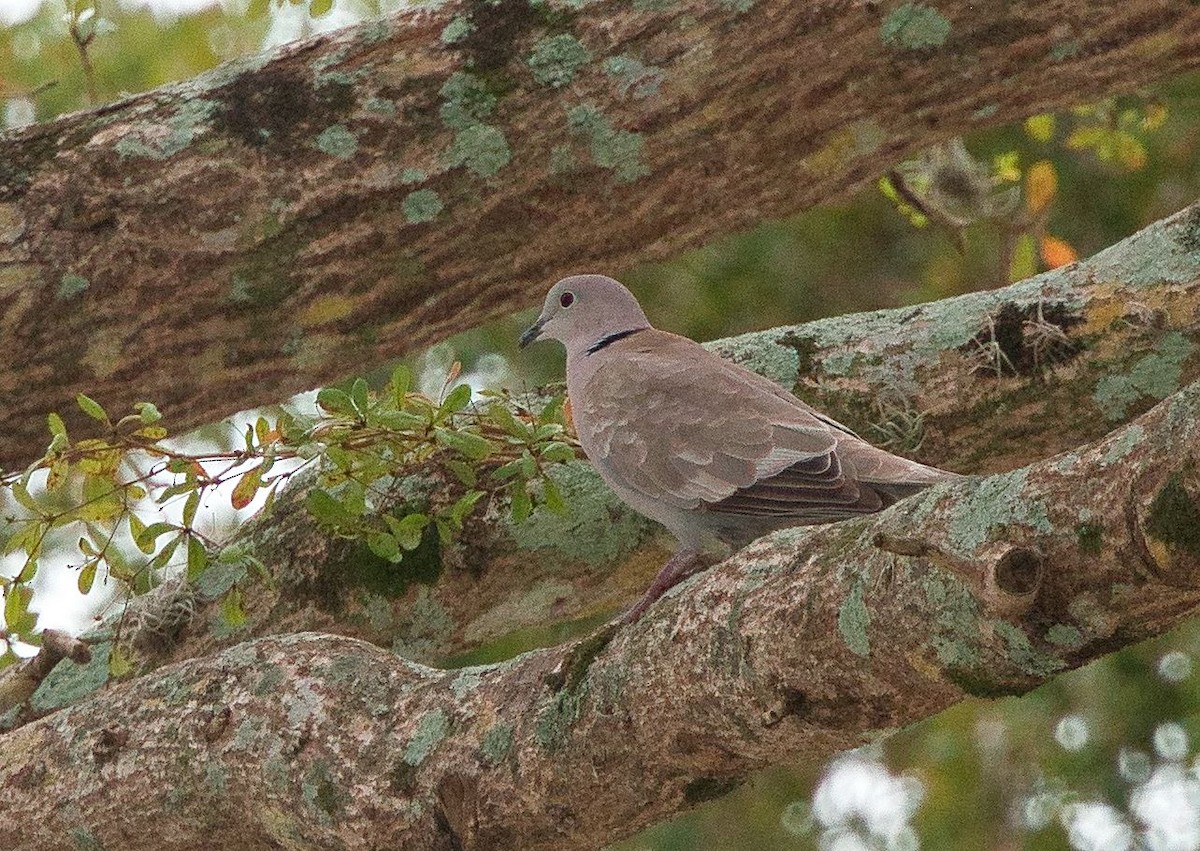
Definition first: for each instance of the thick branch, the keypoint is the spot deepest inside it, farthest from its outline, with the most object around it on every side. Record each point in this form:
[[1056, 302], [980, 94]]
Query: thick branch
[[980, 382], [807, 642], [277, 223]]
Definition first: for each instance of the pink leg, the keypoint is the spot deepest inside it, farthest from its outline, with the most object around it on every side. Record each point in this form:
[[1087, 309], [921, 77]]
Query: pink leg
[[677, 568]]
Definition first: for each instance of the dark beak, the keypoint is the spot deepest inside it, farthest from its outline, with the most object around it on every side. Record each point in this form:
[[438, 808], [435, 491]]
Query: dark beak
[[531, 333]]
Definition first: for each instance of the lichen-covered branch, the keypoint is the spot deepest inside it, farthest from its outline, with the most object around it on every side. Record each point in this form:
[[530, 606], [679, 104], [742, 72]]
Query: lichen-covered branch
[[273, 225], [807, 642], [987, 381]]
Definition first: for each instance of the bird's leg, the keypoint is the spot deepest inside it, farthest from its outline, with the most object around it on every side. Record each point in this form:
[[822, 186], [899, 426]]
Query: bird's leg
[[676, 569], [574, 665]]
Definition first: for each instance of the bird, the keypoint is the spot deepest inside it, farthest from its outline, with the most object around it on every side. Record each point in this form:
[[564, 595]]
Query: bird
[[714, 452]]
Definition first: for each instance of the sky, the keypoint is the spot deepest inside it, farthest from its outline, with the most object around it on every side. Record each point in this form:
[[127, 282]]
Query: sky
[[17, 11]]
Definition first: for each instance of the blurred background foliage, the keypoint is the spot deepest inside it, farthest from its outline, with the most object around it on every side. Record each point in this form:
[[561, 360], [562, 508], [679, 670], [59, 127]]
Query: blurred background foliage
[[1101, 758]]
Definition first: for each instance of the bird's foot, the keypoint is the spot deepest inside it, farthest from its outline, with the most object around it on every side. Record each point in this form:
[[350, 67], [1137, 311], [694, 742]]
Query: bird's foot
[[576, 662]]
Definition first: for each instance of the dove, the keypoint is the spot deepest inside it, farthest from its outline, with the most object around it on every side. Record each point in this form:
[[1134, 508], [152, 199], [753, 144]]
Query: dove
[[712, 451]]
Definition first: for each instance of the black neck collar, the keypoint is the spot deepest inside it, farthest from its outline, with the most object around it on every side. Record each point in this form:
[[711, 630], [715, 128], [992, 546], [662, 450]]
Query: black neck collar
[[609, 339]]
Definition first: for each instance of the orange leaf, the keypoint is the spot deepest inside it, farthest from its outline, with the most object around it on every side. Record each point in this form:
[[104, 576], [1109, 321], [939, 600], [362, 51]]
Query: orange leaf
[[246, 488], [567, 415], [1041, 184], [1057, 252]]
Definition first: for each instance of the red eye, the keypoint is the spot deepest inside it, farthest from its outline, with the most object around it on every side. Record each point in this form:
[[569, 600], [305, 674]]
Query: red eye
[[567, 299]]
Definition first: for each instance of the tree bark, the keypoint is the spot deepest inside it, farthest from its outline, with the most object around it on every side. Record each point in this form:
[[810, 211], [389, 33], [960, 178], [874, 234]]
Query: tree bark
[[273, 225], [807, 642], [976, 383]]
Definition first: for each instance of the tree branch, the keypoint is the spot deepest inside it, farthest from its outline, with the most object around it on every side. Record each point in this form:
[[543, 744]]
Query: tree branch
[[273, 225], [807, 642], [1128, 333]]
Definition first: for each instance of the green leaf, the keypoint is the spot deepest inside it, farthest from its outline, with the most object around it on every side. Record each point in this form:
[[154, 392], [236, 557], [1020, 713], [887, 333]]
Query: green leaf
[[320, 7], [408, 529], [473, 446], [232, 611], [507, 471], [401, 382], [335, 401], [91, 407], [25, 498], [197, 557], [136, 529], [244, 491], [544, 432], [385, 546], [147, 540], [57, 427], [558, 452], [118, 663], [148, 412], [463, 471], [262, 430], [463, 506], [458, 399], [87, 576], [552, 497], [325, 509], [360, 396], [17, 617], [166, 553], [190, 507], [553, 412], [522, 505]]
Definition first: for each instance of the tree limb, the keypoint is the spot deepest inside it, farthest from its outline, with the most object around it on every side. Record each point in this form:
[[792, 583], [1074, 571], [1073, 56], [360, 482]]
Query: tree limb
[[807, 642], [271, 226], [1128, 333]]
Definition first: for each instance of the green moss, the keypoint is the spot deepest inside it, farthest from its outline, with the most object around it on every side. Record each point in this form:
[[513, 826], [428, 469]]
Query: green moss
[[422, 206], [459, 28], [320, 789], [481, 148], [428, 734], [337, 141], [182, 128], [84, 840], [597, 528], [854, 621], [554, 722], [1065, 635], [466, 682], [1129, 439], [467, 100], [915, 26], [956, 621], [71, 285], [633, 78], [424, 627], [996, 502], [1090, 537], [412, 175], [612, 148], [1024, 655], [496, 743], [1175, 517], [1065, 50], [1156, 375], [70, 682], [981, 685], [556, 59]]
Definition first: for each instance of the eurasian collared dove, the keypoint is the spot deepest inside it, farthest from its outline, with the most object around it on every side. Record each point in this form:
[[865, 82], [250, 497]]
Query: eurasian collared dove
[[707, 448]]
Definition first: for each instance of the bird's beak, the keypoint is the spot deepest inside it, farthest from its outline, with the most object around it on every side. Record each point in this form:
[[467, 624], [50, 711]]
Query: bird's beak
[[531, 333]]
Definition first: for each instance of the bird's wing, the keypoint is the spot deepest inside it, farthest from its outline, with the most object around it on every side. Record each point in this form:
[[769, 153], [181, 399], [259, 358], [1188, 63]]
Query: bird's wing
[[685, 427]]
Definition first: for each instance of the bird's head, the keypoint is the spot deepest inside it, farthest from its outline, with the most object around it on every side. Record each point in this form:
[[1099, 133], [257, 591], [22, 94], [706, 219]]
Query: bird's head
[[582, 310]]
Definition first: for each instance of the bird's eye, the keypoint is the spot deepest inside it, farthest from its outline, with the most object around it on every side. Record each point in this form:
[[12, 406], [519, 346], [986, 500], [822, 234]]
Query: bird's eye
[[567, 299]]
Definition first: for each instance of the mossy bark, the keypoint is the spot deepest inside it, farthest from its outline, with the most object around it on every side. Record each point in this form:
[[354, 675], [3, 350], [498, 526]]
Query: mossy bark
[[805, 643], [271, 226]]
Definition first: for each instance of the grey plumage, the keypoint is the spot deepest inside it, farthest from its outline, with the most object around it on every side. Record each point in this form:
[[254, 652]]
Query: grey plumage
[[698, 443]]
